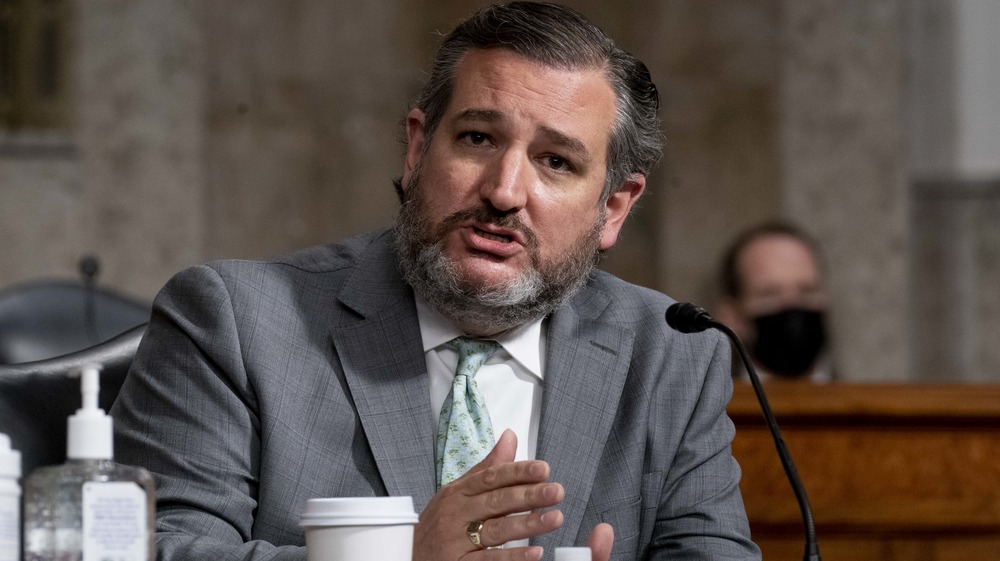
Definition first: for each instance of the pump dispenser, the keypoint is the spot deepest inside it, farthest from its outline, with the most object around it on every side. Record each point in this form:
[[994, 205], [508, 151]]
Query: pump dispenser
[[89, 434], [90, 508]]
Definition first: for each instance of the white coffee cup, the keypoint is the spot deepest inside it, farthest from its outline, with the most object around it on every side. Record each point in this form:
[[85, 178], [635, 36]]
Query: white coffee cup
[[573, 554], [359, 528]]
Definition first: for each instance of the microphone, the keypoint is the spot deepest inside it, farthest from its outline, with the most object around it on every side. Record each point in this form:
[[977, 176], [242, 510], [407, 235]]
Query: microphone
[[688, 318], [89, 268]]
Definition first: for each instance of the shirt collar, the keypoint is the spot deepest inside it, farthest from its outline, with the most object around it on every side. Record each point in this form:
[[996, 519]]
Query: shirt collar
[[523, 344]]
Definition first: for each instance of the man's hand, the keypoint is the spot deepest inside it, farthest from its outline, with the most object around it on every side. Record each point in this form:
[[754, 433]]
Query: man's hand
[[491, 491], [600, 541]]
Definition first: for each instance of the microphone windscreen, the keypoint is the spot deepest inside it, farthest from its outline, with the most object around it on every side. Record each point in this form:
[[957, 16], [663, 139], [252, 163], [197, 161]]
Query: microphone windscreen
[[688, 318]]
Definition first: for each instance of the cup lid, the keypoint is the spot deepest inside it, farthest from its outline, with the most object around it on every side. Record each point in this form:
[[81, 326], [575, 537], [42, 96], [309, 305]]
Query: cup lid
[[358, 511], [572, 554]]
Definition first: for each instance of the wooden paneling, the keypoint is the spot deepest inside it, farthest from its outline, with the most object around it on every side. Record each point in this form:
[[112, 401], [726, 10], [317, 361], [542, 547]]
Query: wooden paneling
[[893, 472]]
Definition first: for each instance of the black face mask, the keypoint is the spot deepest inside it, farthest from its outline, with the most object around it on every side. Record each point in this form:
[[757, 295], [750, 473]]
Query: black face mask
[[789, 341]]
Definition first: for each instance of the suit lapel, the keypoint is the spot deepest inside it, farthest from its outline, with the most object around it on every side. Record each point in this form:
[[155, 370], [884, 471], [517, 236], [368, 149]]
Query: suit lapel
[[383, 361], [382, 356], [586, 366]]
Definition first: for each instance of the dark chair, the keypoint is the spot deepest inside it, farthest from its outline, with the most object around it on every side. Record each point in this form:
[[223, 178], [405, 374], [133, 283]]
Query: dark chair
[[37, 397], [48, 318]]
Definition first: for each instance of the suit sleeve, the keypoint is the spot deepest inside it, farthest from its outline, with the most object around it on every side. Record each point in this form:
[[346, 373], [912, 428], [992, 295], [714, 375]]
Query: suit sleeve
[[187, 412], [701, 513]]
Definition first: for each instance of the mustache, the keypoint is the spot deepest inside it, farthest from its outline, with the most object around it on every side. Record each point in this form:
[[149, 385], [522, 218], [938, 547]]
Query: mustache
[[485, 215]]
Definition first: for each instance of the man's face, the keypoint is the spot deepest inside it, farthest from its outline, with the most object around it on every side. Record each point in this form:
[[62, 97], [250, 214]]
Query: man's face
[[779, 272], [510, 184]]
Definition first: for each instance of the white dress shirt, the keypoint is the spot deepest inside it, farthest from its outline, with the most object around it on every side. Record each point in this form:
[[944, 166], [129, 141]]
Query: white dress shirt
[[510, 381]]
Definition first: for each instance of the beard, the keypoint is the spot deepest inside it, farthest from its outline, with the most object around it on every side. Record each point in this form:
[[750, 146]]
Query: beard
[[490, 308]]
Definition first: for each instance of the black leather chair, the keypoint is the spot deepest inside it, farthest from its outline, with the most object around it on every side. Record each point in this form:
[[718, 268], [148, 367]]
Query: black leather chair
[[37, 397], [47, 318]]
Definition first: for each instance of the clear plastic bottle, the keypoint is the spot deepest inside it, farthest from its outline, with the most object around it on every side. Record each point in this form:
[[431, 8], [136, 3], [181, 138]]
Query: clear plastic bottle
[[89, 508], [10, 501]]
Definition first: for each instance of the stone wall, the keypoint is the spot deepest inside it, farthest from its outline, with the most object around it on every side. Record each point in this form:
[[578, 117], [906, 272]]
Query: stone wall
[[842, 174], [126, 182]]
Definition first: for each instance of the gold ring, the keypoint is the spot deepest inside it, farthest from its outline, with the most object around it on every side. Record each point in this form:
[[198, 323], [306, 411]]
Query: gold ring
[[472, 530]]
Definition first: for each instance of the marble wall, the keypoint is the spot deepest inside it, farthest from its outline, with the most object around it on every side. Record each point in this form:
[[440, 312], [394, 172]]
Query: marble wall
[[126, 182], [842, 174]]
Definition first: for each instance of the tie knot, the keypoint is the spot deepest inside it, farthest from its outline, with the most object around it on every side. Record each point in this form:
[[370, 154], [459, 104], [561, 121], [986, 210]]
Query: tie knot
[[467, 346], [472, 354]]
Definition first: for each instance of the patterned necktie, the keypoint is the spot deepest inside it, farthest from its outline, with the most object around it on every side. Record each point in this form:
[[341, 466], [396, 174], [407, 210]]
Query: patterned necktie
[[465, 432]]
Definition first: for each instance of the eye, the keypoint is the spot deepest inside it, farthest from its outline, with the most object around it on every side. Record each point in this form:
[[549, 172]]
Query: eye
[[557, 163], [475, 138]]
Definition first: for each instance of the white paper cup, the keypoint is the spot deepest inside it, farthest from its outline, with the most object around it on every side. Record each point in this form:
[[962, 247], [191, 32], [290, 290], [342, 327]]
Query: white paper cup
[[359, 528], [573, 554]]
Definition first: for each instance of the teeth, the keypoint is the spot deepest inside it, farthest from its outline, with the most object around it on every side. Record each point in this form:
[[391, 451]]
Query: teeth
[[494, 237]]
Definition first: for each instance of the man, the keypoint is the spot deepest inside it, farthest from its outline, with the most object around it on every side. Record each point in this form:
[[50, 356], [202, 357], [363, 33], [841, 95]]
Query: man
[[775, 299], [327, 372]]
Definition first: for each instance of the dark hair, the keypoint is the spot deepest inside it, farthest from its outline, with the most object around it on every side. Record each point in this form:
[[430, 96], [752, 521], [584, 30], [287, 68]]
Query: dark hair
[[732, 284], [560, 37]]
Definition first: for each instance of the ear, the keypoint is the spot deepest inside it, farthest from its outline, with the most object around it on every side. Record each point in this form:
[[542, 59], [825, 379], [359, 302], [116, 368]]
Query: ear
[[618, 206], [414, 143]]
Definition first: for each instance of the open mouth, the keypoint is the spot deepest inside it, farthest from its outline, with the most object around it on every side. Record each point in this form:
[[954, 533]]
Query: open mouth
[[494, 237]]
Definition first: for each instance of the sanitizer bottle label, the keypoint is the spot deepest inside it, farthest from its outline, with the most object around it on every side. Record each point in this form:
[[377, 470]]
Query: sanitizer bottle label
[[10, 529], [114, 522]]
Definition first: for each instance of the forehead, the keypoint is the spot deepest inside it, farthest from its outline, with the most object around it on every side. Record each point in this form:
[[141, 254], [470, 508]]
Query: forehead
[[777, 259], [579, 103]]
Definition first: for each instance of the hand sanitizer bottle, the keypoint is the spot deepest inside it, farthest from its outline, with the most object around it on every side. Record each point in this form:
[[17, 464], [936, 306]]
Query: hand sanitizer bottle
[[10, 501], [90, 508]]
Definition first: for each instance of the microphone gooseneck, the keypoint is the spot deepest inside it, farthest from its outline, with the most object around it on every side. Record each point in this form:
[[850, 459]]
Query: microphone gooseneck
[[688, 318]]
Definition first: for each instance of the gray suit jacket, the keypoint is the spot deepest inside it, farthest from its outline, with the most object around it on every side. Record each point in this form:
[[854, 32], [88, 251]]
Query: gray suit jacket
[[259, 385]]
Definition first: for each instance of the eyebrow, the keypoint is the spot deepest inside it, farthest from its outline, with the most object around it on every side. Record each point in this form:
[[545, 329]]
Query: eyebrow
[[573, 144], [479, 115]]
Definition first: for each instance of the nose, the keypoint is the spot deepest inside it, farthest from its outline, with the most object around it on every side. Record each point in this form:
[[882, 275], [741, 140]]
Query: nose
[[507, 182]]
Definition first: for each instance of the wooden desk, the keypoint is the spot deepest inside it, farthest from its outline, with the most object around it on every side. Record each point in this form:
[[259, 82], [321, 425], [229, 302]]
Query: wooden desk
[[893, 472]]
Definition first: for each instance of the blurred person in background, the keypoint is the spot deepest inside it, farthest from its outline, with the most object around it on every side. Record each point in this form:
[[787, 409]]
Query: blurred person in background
[[774, 296]]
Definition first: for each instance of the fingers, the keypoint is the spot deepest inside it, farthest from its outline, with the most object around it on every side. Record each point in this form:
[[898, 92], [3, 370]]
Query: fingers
[[500, 486], [509, 497], [503, 451], [498, 531], [491, 491], [498, 468], [532, 553], [519, 498], [602, 537], [504, 475], [497, 508]]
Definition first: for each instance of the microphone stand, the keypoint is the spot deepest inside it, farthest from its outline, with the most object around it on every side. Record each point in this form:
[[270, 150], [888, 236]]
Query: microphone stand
[[89, 267], [812, 547]]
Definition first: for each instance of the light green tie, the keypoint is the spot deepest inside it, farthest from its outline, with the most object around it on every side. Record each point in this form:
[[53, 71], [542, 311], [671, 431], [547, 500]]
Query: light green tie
[[465, 432]]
